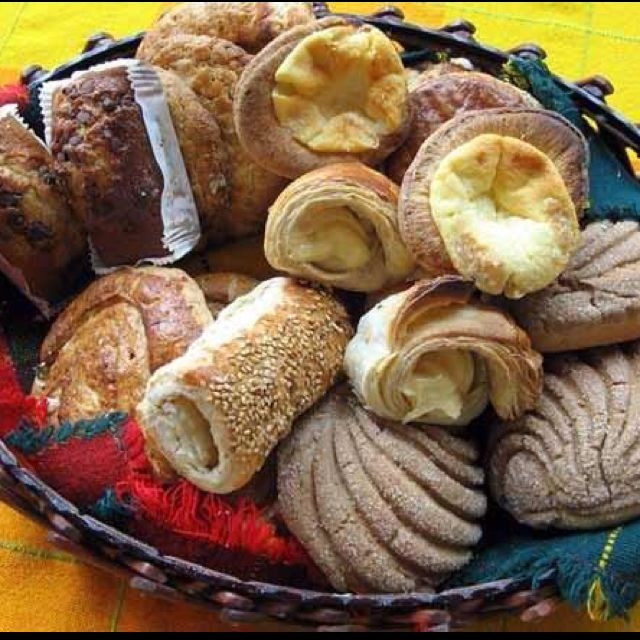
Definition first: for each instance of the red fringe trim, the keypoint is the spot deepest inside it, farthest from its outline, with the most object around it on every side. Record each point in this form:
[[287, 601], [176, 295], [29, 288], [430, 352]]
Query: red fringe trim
[[185, 510], [14, 93]]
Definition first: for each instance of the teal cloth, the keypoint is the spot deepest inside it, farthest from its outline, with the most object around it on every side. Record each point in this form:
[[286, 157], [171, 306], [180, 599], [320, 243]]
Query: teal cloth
[[614, 192]]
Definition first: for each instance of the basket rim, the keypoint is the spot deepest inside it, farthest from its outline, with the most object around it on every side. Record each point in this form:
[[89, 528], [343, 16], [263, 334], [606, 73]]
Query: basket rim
[[134, 548]]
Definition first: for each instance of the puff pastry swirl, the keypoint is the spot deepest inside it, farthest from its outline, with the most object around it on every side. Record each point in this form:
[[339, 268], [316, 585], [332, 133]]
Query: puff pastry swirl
[[434, 355], [218, 412], [338, 226]]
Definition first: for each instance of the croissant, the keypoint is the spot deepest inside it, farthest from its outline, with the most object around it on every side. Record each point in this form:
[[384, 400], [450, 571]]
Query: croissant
[[101, 351], [338, 226], [435, 355], [381, 508], [574, 461], [217, 412], [596, 301]]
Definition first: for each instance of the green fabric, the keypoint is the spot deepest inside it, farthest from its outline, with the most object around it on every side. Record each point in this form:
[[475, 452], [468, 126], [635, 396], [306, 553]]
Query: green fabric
[[30, 440], [614, 192], [576, 560], [110, 510]]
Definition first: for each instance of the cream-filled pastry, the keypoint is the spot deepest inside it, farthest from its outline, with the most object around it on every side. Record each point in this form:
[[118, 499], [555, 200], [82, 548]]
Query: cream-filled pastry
[[495, 196], [217, 413], [323, 94], [338, 226], [435, 355]]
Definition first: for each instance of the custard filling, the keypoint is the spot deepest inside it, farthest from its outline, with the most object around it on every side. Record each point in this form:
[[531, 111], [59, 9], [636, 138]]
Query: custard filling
[[341, 90], [504, 214], [334, 241], [447, 387]]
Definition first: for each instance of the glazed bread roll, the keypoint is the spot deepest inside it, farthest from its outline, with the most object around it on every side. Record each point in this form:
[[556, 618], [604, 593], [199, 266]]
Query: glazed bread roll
[[435, 355], [444, 92], [221, 289], [495, 196], [251, 25], [573, 462], [381, 508], [323, 94], [103, 348], [338, 226], [218, 412], [42, 244], [596, 301], [212, 67]]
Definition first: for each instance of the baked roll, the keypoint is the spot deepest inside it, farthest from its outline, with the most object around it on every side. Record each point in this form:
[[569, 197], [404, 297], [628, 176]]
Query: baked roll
[[596, 301], [111, 134], [103, 348], [221, 289], [323, 94], [495, 196], [572, 463], [381, 508], [339, 226], [442, 93], [435, 355], [250, 25], [212, 67], [218, 412], [42, 244]]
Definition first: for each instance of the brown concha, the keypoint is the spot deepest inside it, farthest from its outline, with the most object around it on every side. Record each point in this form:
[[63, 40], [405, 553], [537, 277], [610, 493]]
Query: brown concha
[[596, 301], [380, 507], [572, 463]]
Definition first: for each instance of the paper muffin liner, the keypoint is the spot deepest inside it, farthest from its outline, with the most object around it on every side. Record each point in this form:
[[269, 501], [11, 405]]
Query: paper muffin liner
[[181, 222]]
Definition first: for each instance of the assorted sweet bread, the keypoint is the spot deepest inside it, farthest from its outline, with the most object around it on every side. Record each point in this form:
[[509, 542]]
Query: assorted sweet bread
[[434, 354], [218, 412], [381, 508], [42, 244], [322, 94], [596, 301], [571, 463], [339, 226], [315, 264]]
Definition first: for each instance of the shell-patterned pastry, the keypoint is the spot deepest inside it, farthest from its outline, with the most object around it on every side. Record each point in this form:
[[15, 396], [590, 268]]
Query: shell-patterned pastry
[[596, 301], [323, 94], [250, 25], [573, 462], [339, 226], [217, 413], [380, 508], [495, 196], [435, 355]]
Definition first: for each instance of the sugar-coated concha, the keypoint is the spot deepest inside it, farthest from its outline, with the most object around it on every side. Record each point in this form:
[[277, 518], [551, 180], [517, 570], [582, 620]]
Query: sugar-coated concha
[[572, 462], [381, 508]]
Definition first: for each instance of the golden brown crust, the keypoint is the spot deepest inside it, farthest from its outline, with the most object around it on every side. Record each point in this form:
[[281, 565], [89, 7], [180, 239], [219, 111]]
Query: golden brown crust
[[439, 96], [203, 150], [596, 301], [39, 236], [548, 132], [572, 462], [221, 289], [268, 142], [379, 507], [102, 350], [250, 25], [212, 68], [100, 144], [425, 334], [218, 412], [338, 226]]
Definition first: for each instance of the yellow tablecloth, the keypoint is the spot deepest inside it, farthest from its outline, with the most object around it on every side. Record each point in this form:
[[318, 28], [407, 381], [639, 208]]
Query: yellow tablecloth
[[43, 590]]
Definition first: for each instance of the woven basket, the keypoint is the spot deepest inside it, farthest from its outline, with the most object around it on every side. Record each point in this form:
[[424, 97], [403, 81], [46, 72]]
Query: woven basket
[[149, 571]]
